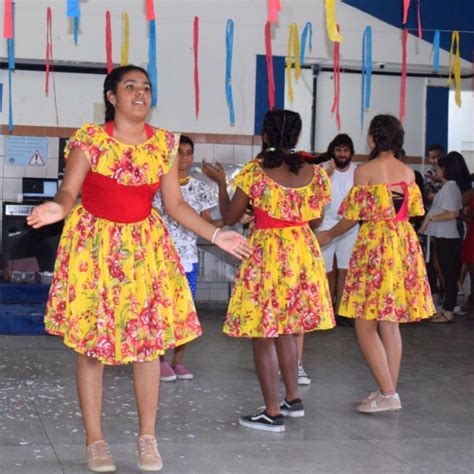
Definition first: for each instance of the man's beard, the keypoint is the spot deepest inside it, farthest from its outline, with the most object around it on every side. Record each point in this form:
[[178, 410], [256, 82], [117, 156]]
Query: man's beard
[[341, 164]]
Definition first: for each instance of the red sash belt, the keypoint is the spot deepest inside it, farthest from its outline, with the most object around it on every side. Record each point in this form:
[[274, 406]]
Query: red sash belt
[[105, 198], [264, 221]]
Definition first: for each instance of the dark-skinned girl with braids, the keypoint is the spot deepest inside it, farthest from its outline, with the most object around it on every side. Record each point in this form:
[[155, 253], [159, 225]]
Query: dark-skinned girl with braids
[[386, 283], [280, 290]]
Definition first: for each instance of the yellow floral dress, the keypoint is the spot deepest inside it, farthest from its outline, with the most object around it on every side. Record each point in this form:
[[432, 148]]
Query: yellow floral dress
[[119, 292], [386, 279], [282, 288]]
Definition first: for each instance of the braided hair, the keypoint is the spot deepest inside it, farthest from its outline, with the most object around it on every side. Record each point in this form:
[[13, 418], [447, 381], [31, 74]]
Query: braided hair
[[111, 82], [281, 130], [387, 134]]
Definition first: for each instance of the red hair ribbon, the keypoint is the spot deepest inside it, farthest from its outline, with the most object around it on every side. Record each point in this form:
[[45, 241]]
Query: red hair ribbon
[[196, 63], [337, 82], [108, 42], [420, 31], [403, 85], [150, 10], [49, 48], [8, 19], [270, 75], [406, 6], [274, 8]]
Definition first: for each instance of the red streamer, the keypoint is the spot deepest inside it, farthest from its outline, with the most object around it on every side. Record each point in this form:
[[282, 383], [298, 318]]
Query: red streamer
[[8, 20], [196, 63], [49, 47], [420, 31], [403, 85], [406, 6], [270, 74], [150, 10], [337, 81], [108, 42], [274, 9]]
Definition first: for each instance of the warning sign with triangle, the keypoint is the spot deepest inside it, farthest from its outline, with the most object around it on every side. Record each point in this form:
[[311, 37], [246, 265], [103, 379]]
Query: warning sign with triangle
[[36, 159]]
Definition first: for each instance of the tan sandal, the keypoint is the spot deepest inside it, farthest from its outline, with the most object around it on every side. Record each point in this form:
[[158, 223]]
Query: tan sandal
[[443, 317]]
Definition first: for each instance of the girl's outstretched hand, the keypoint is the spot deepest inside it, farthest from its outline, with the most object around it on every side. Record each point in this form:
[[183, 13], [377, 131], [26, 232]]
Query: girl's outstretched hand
[[45, 214], [233, 243], [215, 172]]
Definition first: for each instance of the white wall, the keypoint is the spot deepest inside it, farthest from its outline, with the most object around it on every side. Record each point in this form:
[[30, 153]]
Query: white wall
[[78, 93]]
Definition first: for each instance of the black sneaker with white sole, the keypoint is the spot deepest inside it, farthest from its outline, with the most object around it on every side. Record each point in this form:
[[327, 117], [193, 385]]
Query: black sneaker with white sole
[[261, 420], [293, 409]]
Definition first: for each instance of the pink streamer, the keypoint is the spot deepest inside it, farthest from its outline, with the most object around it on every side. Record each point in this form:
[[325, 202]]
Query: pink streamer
[[49, 48], [406, 6], [196, 63], [420, 30], [337, 82], [8, 19], [403, 85], [150, 10], [108, 42], [274, 8], [270, 75]]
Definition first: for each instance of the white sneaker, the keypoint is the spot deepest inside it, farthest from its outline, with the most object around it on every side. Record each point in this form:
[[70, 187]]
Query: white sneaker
[[377, 403], [303, 378]]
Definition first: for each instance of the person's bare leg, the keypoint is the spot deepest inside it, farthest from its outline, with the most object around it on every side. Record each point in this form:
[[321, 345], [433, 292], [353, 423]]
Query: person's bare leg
[[331, 276], [341, 278], [392, 342], [178, 355], [288, 360], [89, 378], [266, 365], [146, 379], [373, 350], [299, 338]]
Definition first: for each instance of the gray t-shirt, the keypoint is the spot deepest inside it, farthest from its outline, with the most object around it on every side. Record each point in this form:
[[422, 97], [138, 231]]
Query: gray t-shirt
[[448, 198]]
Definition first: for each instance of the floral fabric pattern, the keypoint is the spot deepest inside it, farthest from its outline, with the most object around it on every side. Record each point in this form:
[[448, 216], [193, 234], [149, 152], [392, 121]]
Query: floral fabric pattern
[[386, 279], [119, 292], [282, 288]]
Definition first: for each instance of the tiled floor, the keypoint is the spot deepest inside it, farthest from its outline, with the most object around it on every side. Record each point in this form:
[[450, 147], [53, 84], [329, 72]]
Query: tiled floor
[[41, 430]]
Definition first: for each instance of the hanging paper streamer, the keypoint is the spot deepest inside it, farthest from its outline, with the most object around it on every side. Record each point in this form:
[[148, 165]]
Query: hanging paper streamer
[[150, 10], [73, 11], [403, 84], [455, 66], [420, 30], [270, 75], [274, 9], [337, 81], [304, 35], [406, 6], [436, 41], [331, 24], [229, 47], [8, 19], [49, 59], [49, 48], [152, 68], [11, 64], [293, 44], [125, 40], [108, 42], [366, 73], [196, 63]]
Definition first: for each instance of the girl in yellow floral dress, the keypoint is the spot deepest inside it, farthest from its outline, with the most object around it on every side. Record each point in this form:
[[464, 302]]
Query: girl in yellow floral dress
[[119, 293], [386, 282], [281, 289]]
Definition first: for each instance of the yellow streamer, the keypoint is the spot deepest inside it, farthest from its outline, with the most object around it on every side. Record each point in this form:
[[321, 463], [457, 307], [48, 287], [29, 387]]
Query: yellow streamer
[[455, 66], [125, 40], [293, 43], [331, 24]]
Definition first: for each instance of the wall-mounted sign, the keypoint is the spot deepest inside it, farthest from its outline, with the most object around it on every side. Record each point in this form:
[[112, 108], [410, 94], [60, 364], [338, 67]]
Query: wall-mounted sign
[[26, 151]]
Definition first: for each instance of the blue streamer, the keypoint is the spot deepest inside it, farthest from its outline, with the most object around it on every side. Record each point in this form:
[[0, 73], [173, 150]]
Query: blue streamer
[[229, 47], [10, 105], [307, 28], [151, 68], [366, 73], [76, 28], [73, 8], [436, 40]]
